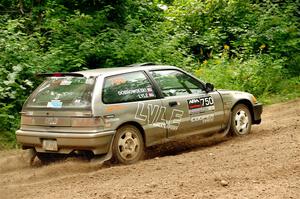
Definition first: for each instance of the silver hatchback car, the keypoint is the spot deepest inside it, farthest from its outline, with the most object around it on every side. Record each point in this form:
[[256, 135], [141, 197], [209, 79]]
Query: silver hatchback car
[[117, 112]]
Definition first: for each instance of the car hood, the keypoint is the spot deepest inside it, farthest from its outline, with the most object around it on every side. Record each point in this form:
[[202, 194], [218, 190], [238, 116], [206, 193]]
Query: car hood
[[233, 92]]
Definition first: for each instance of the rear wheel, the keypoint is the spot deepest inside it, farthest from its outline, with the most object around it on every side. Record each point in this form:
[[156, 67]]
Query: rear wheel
[[241, 120], [128, 145]]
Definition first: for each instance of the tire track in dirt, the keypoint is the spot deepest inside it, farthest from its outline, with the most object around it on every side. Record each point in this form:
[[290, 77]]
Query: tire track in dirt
[[264, 164]]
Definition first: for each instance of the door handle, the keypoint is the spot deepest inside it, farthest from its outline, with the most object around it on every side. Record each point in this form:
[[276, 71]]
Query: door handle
[[171, 104]]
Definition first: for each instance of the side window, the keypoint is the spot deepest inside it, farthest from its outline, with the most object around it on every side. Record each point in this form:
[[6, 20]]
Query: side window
[[174, 83], [127, 87]]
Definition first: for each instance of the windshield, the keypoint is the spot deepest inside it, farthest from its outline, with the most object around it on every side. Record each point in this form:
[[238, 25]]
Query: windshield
[[63, 92]]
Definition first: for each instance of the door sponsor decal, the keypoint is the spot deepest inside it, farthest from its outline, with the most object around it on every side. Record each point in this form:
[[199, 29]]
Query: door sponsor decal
[[200, 102], [203, 118], [141, 93], [154, 114], [201, 109]]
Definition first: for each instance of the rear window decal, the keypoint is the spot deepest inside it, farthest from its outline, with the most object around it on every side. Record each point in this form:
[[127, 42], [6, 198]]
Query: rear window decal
[[89, 81], [133, 91], [54, 104], [150, 92], [65, 82], [141, 93], [118, 80]]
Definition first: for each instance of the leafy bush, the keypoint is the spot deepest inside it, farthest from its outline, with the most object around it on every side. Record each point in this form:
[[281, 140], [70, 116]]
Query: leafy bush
[[19, 59], [251, 75]]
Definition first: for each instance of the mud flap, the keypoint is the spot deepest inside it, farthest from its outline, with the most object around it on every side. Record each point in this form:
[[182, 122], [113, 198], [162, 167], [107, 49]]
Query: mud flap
[[226, 131], [106, 157], [32, 155]]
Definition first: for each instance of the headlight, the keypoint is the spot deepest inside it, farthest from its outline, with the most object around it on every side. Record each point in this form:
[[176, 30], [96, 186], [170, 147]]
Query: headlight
[[254, 100]]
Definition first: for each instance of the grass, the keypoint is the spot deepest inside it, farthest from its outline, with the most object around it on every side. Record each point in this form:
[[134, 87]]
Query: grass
[[277, 98], [8, 141], [289, 90]]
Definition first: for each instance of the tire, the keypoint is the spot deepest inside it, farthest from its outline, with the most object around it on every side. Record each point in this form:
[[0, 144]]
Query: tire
[[128, 145], [241, 120], [47, 158]]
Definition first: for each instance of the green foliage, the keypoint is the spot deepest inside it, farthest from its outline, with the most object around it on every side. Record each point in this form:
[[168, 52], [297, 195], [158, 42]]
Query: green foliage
[[251, 75], [7, 140], [241, 44], [19, 59], [287, 89], [236, 44]]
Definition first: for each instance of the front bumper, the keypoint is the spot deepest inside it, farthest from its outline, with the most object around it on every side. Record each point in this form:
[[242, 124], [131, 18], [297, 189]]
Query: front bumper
[[67, 142], [257, 111]]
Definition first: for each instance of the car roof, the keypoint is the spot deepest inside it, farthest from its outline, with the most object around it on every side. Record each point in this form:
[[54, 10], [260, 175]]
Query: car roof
[[126, 69]]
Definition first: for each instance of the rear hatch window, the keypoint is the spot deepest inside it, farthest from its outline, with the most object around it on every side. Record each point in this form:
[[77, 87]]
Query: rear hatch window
[[63, 92]]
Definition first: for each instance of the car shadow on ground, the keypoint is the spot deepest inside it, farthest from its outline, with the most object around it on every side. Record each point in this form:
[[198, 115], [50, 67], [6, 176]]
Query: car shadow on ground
[[186, 145]]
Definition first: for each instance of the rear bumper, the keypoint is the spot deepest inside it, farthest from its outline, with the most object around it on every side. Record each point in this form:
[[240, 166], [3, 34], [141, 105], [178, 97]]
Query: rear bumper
[[257, 111], [67, 142]]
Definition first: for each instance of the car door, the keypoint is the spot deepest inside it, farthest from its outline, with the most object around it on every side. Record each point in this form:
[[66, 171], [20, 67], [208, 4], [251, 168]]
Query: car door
[[189, 108], [130, 97]]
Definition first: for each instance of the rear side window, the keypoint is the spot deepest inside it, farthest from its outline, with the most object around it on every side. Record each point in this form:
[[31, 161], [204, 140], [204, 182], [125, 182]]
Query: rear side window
[[127, 87]]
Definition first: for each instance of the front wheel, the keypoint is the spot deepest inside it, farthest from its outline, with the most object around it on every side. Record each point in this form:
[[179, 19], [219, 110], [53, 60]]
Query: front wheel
[[128, 145], [241, 120]]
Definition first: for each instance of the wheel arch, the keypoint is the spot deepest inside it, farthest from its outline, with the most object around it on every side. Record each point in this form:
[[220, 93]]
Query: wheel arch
[[137, 125], [246, 103]]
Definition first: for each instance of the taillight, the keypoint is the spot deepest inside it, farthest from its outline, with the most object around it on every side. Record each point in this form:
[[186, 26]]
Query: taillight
[[27, 120], [87, 122]]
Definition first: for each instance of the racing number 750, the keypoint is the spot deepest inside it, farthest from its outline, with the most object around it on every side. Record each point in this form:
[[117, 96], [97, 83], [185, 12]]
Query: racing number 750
[[207, 101]]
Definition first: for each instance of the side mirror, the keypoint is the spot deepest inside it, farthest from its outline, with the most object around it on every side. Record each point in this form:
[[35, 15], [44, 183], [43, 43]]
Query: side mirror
[[209, 87]]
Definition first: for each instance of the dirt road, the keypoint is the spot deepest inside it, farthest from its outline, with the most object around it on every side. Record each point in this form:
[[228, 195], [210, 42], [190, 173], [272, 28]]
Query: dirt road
[[263, 164]]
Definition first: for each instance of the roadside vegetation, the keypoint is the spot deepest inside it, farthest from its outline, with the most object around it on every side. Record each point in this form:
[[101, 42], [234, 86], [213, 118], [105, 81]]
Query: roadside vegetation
[[246, 45]]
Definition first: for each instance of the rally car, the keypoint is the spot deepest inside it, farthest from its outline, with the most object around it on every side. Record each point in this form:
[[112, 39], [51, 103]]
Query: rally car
[[117, 112]]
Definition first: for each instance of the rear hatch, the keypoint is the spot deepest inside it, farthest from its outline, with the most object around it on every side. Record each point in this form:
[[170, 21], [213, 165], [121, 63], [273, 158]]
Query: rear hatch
[[61, 103]]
